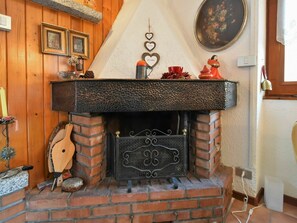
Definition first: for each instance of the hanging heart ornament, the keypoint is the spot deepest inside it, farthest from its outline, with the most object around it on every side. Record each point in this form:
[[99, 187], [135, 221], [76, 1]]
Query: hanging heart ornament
[[149, 45], [151, 59], [149, 35]]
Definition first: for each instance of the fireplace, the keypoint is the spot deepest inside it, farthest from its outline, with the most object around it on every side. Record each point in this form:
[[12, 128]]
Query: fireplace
[[198, 191], [150, 98]]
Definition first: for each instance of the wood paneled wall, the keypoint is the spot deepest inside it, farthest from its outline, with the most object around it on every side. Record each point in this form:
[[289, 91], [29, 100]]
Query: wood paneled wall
[[25, 73]]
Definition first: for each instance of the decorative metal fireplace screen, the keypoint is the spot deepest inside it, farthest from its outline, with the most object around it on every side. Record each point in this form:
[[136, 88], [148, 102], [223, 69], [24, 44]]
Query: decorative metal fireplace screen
[[150, 154]]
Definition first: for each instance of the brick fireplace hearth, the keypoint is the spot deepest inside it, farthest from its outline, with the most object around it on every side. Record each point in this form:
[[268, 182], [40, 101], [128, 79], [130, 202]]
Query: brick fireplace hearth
[[203, 195]]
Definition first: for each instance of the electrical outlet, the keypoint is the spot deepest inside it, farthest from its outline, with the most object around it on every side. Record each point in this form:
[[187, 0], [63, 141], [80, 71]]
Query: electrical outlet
[[247, 173]]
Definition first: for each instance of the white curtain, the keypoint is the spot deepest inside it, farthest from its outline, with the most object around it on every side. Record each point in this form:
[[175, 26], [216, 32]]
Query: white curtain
[[286, 21]]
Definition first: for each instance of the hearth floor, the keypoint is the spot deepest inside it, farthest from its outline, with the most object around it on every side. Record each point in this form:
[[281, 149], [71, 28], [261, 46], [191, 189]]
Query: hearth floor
[[149, 201]]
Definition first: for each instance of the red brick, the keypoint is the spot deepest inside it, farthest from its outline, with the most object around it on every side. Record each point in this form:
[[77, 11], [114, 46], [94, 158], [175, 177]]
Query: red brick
[[74, 213], [37, 216], [130, 197], [143, 219], [205, 145], [94, 180], [203, 163], [89, 161], [202, 154], [201, 213], [206, 192], [184, 204], [87, 120], [11, 211], [204, 127], [166, 195], [214, 134], [217, 140], [202, 135], [217, 123], [183, 215], [90, 171], [211, 202], [90, 200], [76, 128], [208, 118], [92, 151], [98, 220], [19, 219], [77, 147], [203, 173], [218, 212], [111, 210], [124, 219], [165, 217], [149, 207], [13, 197], [88, 141], [216, 220], [47, 203], [94, 130], [197, 221]]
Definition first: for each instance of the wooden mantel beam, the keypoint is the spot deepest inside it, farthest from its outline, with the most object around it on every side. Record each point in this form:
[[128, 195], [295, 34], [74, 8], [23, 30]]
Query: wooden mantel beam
[[73, 8]]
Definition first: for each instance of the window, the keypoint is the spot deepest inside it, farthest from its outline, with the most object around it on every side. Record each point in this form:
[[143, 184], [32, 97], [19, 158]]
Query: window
[[281, 60]]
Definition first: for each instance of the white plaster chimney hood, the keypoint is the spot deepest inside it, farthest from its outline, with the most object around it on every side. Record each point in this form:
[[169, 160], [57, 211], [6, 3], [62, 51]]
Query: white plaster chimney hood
[[124, 45]]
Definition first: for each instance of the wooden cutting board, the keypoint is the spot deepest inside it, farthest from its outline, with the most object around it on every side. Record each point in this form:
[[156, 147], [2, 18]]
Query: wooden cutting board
[[62, 151], [58, 137]]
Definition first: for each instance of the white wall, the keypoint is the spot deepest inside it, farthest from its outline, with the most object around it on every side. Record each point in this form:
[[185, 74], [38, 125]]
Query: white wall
[[243, 142], [278, 158]]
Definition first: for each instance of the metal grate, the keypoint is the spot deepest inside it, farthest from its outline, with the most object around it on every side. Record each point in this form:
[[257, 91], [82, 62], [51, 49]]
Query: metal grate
[[150, 154]]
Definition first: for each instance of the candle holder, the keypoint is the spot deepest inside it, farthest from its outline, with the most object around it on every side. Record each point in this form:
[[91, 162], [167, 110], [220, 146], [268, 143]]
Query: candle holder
[[7, 152]]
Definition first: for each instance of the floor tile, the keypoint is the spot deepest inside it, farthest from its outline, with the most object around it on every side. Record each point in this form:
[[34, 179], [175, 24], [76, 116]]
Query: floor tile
[[262, 214]]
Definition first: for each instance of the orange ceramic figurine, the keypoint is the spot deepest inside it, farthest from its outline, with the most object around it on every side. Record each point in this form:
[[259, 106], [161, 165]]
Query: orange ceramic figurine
[[214, 63], [205, 74]]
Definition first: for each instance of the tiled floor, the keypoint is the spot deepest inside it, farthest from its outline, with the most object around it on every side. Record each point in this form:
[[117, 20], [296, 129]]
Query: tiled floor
[[263, 214]]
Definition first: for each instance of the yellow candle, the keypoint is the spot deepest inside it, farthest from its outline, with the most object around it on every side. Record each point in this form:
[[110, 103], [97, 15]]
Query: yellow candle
[[3, 102]]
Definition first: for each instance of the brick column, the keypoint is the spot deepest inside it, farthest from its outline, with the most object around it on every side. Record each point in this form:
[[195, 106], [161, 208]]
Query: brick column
[[12, 207], [205, 141], [89, 136]]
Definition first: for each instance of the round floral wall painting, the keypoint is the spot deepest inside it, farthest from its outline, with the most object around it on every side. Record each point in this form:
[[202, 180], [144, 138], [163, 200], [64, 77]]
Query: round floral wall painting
[[219, 23]]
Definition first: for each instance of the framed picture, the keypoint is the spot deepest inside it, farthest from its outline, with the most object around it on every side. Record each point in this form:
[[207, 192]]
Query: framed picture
[[79, 44], [54, 39], [219, 23]]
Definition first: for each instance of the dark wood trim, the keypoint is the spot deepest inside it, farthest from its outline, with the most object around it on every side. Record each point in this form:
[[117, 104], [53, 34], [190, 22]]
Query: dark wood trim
[[280, 97], [290, 200], [255, 201], [275, 56]]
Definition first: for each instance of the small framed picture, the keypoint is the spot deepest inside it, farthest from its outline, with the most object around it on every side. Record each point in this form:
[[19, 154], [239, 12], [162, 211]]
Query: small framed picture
[[79, 44], [54, 39]]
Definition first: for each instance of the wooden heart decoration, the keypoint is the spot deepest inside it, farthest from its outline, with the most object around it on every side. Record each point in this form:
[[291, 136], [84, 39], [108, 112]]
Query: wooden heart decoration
[[149, 45], [149, 36], [151, 59]]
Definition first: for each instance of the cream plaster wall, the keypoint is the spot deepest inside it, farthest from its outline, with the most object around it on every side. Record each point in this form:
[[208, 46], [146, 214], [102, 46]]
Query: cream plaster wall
[[278, 158], [244, 144]]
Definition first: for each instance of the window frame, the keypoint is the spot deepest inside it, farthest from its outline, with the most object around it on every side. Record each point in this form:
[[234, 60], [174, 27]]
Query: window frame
[[275, 55]]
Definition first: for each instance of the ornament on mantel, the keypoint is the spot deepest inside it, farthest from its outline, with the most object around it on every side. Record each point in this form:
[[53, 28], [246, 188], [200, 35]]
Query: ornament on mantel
[[151, 59], [213, 72]]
